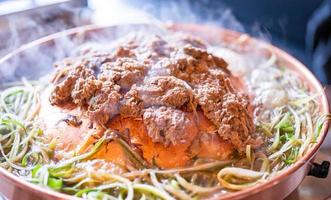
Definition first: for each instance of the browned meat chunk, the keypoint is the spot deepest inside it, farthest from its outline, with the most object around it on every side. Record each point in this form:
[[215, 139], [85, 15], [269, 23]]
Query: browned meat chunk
[[158, 79], [166, 91], [206, 58], [105, 104], [131, 105], [62, 92], [193, 64], [84, 89], [165, 124], [157, 91], [124, 71], [229, 112], [209, 77], [235, 122]]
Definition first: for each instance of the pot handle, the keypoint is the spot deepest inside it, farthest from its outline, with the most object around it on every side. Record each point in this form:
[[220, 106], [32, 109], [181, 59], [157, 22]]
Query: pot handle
[[319, 170]]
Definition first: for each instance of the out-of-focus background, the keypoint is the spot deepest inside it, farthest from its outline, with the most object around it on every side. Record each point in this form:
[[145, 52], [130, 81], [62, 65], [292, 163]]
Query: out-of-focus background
[[300, 27]]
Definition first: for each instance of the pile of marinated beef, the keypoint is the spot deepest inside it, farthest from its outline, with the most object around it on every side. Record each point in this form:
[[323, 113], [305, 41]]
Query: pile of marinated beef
[[156, 79]]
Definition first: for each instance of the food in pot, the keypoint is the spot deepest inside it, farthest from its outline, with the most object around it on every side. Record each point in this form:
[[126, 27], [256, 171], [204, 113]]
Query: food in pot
[[158, 116]]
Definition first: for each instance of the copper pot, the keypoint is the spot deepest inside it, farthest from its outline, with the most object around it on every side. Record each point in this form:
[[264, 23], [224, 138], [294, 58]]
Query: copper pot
[[35, 59]]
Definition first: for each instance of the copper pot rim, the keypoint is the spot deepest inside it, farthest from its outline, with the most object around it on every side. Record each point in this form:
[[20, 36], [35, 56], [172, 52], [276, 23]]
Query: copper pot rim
[[296, 65]]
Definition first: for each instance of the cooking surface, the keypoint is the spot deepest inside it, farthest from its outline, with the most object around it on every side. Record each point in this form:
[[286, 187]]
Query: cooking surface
[[310, 189], [313, 188]]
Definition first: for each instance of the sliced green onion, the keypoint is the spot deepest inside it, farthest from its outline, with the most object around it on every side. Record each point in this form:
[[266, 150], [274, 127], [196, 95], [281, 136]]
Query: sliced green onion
[[35, 170], [55, 183], [275, 143], [285, 123]]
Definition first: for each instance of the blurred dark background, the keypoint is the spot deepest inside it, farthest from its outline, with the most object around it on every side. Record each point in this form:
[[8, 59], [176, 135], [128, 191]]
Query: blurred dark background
[[301, 27]]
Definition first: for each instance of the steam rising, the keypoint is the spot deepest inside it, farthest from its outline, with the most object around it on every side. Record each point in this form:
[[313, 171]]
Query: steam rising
[[21, 28], [38, 61], [164, 12]]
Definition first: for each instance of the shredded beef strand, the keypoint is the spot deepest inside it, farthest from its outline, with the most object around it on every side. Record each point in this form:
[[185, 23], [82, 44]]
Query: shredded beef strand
[[131, 105]]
